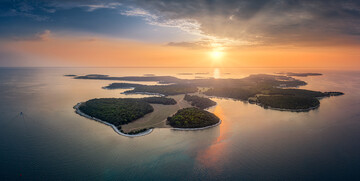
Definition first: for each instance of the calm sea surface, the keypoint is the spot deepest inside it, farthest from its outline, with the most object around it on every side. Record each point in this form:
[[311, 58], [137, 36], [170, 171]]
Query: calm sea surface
[[50, 142]]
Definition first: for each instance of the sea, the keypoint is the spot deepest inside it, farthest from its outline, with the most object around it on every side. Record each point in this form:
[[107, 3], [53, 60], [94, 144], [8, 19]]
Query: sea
[[42, 138]]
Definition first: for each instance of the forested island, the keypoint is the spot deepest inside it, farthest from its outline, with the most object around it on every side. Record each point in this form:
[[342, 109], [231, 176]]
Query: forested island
[[159, 100], [164, 89], [187, 111], [278, 87], [116, 111], [285, 102], [200, 102], [119, 111], [122, 86], [294, 74], [192, 118]]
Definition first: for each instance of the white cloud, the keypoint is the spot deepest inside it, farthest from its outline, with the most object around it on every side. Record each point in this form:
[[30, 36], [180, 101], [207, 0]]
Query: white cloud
[[44, 36], [188, 25], [93, 7]]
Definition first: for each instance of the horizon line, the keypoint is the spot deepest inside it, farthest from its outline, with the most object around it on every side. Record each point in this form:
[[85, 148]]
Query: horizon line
[[169, 67]]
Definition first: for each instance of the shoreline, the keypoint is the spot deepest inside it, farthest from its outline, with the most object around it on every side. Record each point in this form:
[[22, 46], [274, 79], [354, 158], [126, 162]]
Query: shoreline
[[195, 129], [107, 88], [289, 110], [77, 110], [143, 93], [272, 108]]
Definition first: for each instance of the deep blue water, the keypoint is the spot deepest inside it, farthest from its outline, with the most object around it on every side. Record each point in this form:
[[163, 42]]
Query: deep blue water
[[50, 142]]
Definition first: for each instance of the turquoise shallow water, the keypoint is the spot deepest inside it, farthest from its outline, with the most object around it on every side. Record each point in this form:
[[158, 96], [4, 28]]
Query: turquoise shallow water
[[51, 142]]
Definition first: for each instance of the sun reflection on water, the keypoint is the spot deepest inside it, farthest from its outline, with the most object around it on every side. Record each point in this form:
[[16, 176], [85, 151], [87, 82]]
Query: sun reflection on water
[[216, 73], [211, 156]]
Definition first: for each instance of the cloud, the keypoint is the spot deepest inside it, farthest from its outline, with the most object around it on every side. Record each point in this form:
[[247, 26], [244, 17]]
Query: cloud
[[260, 22], [41, 36], [193, 44], [209, 43], [93, 7], [49, 10], [15, 12], [23, 9], [187, 25], [44, 36], [229, 22]]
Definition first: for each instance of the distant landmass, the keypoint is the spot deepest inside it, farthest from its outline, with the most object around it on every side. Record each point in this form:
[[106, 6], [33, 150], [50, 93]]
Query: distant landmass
[[122, 86], [299, 74]]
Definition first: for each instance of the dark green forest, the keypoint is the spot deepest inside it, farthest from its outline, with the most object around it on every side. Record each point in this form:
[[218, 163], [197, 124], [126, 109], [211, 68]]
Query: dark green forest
[[116, 111], [192, 118], [288, 102], [200, 102], [234, 93], [160, 100], [165, 89]]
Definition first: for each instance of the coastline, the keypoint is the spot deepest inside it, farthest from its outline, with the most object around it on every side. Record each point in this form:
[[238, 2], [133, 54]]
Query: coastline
[[295, 110], [195, 129], [143, 93], [290, 110], [272, 108], [107, 88], [77, 110]]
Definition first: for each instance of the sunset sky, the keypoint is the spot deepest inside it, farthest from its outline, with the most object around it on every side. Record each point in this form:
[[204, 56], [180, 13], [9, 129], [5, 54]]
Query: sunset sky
[[169, 33]]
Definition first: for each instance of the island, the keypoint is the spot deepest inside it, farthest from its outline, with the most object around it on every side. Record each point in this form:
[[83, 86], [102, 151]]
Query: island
[[116, 111], [284, 102], [200, 102], [294, 74], [252, 89], [183, 103], [159, 100], [193, 118], [120, 111], [165, 90], [133, 117], [122, 86]]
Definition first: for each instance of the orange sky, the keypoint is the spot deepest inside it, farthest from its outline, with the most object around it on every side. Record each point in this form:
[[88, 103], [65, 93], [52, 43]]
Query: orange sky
[[247, 33], [104, 52]]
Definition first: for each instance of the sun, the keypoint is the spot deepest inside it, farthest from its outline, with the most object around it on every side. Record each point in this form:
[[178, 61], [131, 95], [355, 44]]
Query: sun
[[216, 55]]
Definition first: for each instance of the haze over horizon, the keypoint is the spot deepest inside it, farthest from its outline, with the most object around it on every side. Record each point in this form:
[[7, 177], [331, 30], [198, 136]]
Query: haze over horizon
[[111, 33]]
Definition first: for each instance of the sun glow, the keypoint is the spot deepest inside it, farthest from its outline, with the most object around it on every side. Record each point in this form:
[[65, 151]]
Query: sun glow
[[216, 73], [216, 54]]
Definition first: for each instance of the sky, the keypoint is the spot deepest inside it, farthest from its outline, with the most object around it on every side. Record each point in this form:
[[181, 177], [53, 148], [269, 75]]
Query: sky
[[186, 33]]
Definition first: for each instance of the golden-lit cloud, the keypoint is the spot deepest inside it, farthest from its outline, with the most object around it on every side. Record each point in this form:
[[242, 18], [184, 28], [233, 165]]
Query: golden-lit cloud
[[263, 22]]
